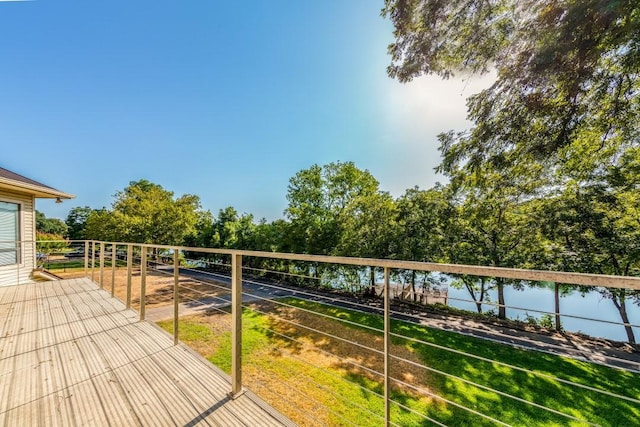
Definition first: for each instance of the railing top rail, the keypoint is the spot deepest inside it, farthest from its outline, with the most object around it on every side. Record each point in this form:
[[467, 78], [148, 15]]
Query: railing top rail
[[586, 279]]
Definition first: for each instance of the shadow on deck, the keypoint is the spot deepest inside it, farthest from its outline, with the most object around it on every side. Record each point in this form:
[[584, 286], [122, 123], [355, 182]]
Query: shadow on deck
[[70, 354]]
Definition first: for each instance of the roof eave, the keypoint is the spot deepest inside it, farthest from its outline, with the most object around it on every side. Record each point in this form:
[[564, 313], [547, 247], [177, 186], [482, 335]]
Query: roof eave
[[36, 190]]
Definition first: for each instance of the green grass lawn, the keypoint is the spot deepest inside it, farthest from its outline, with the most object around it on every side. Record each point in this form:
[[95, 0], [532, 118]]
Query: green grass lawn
[[275, 361]]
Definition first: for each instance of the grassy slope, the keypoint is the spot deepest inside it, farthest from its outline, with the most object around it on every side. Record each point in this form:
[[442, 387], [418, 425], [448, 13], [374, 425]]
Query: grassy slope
[[277, 370]]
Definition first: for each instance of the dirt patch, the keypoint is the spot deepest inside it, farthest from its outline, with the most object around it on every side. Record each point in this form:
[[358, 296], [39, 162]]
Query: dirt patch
[[159, 286], [311, 343]]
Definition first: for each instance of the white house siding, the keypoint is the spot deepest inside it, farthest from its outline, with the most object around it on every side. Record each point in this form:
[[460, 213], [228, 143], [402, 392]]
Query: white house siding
[[17, 274]]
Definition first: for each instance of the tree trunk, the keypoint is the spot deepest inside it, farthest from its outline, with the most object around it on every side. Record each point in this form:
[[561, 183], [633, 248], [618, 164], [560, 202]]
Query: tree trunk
[[413, 285], [477, 301], [557, 305], [621, 304], [502, 312], [482, 294], [372, 280]]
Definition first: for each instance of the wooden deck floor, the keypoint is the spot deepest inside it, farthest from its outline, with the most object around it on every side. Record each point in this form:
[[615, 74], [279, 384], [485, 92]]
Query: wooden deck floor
[[71, 355]]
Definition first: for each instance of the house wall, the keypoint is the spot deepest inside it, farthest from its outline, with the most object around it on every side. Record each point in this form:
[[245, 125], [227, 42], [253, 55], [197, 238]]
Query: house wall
[[21, 273]]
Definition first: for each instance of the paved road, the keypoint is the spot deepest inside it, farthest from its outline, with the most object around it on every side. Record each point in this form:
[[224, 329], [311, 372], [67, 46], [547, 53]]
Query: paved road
[[251, 291], [569, 345]]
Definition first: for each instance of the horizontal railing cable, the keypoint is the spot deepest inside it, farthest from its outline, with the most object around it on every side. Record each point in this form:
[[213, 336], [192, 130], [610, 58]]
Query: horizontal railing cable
[[403, 315], [469, 355], [486, 388], [372, 371], [517, 368], [332, 374], [276, 302], [553, 313], [316, 402], [413, 411], [296, 289], [338, 396], [368, 308], [208, 306], [301, 291], [195, 279], [448, 349], [456, 404], [205, 293], [282, 273]]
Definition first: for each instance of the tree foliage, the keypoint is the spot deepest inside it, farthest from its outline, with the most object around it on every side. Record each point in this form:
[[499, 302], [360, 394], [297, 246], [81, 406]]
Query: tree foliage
[[77, 221], [368, 225], [317, 198], [50, 225], [590, 236], [145, 212], [228, 230], [567, 77], [425, 218], [560, 125]]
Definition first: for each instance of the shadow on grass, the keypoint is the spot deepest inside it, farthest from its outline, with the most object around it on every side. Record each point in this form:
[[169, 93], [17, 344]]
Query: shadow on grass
[[583, 404], [356, 371]]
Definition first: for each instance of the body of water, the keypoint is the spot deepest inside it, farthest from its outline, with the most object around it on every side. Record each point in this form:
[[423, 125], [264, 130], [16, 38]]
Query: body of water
[[592, 305]]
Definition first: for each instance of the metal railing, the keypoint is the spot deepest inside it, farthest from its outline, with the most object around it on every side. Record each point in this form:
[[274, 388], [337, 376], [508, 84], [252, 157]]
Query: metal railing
[[395, 383]]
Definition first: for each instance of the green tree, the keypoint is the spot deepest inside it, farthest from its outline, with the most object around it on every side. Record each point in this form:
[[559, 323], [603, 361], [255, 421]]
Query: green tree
[[145, 212], [368, 224], [48, 243], [270, 236], [317, 198], [568, 87], [563, 113], [227, 230], [76, 222], [50, 225], [423, 220], [231, 230], [592, 237], [101, 225], [203, 232], [495, 225], [424, 216]]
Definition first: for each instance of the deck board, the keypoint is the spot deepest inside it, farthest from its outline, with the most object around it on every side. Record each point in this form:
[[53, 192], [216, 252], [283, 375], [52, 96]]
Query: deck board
[[71, 355]]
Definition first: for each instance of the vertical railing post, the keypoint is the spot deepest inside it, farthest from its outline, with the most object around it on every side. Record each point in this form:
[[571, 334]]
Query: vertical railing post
[[176, 295], [129, 271], [556, 302], [143, 281], [93, 260], [102, 248], [86, 258], [236, 324], [387, 327], [19, 259], [113, 268]]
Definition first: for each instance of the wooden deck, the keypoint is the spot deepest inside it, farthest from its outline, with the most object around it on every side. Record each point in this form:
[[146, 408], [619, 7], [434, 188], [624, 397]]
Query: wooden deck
[[71, 355]]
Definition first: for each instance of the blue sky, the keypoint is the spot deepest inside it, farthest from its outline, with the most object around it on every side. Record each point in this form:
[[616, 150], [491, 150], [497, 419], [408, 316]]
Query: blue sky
[[226, 100]]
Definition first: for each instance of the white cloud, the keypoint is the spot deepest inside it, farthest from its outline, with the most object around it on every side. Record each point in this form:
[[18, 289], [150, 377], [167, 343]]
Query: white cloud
[[415, 113], [429, 105]]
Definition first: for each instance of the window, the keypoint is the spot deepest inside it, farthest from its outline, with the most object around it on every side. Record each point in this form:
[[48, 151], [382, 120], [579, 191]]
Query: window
[[9, 233]]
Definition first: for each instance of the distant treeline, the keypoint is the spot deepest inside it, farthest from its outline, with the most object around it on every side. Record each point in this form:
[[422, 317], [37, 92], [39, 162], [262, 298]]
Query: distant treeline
[[339, 209]]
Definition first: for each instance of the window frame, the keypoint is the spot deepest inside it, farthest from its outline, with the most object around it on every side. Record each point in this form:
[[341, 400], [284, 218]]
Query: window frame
[[19, 232]]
